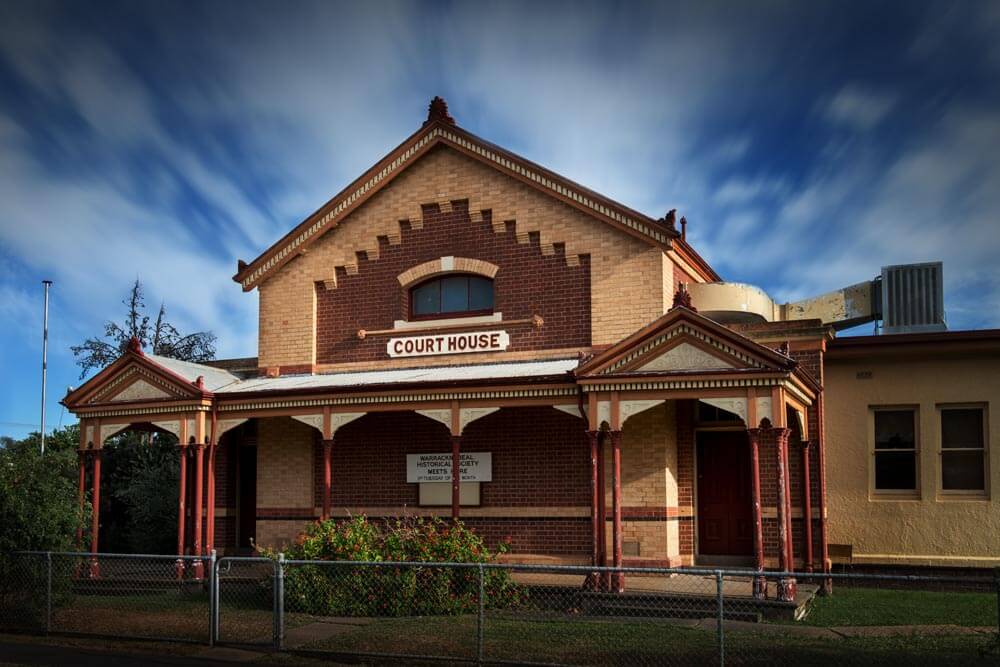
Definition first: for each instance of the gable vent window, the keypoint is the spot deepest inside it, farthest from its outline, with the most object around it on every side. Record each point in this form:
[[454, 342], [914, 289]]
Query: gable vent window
[[451, 296]]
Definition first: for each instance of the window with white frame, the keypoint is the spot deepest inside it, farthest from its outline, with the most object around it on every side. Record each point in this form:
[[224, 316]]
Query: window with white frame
[[895, 450], [963, 449]]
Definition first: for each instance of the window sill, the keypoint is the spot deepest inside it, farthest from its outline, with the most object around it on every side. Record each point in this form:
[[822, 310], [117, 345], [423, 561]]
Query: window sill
[[456, 324], [963, 496], [883, 496], [446, 321]]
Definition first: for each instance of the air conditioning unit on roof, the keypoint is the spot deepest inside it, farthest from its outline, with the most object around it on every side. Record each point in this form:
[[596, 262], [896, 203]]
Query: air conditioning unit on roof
[[912, 298]]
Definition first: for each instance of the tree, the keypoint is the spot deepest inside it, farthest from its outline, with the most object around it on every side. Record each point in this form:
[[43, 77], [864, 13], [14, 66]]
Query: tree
[[139, 514], [38, 494], [158, 336]]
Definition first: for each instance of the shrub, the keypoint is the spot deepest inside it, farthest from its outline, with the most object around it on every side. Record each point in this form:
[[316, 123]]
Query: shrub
[[345, 589]]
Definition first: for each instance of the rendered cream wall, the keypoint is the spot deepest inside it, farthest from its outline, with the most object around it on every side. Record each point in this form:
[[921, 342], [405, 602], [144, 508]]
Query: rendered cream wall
[[935, 529]]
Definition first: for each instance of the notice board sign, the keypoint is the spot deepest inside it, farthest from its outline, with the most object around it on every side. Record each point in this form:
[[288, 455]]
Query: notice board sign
[[473, 467]]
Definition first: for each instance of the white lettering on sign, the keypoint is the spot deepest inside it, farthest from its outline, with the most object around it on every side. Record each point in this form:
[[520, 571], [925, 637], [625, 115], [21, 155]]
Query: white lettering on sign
[[472, 466], [452, 343]]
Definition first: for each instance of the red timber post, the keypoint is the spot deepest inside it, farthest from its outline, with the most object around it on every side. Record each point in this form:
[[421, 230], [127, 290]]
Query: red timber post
[[807, 507], [181, 508], [95, 568], [199, 470], [602, 507], [618, 580], [210, 501], [596, 528], [759, 583], [327, 477], [786, 585], [827, 586], [456, 472], [456, 461]]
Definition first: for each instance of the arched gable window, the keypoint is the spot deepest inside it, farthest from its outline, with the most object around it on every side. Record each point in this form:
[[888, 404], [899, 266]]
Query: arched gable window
[[454, 295]]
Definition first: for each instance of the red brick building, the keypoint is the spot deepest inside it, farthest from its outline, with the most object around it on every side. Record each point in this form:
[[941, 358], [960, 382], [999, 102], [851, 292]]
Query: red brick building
[[461, 332]]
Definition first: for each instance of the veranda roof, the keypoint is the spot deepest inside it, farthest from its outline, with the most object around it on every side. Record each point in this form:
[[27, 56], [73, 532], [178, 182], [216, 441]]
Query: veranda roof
[[220, 381]]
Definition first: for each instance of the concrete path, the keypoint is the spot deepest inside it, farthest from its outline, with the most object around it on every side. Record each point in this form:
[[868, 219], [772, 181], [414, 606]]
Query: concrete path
[[322, 630]]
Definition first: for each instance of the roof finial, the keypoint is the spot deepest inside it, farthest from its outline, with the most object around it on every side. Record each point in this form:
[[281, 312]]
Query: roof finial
[[135, 346], [670, 220], [438, 110], [200, 382], [683, 298], [684, 228]]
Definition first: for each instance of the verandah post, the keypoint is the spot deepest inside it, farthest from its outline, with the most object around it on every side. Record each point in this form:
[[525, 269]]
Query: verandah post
[[181, 509], [95, 568], [786, 585], [759, 583], [595, 513], [618, 580], [199, 568], [807, 506], [720, 618], [456, 441], [327, 477]]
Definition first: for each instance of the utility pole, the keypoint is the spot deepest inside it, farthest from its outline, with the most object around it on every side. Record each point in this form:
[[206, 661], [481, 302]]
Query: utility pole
[[45, 355]]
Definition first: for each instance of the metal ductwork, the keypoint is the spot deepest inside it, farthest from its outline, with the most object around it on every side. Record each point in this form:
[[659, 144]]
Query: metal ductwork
[[908, 298]]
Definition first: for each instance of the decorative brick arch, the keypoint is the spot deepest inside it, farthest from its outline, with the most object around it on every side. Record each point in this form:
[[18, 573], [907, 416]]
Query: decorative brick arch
[[447, 265]]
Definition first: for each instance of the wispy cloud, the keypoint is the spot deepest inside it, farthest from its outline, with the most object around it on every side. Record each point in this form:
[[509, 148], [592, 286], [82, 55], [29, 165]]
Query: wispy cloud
[[167, 140], [858, 107]]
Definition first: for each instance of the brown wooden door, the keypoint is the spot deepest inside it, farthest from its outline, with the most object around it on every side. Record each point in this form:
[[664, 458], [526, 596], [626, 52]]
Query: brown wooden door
[[725, 494]]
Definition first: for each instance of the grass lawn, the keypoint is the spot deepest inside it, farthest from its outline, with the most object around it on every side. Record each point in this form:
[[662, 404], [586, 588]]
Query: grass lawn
[[871, 606], [593, 642]]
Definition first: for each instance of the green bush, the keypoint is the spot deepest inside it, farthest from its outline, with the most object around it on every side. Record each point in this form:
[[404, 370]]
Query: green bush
[[344, 589]]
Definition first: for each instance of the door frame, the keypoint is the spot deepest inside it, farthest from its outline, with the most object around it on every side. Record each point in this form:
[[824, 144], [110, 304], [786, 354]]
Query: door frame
[[713, 559]]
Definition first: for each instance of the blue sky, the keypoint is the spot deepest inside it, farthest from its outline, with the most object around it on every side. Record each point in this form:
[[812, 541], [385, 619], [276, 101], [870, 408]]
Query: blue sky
[[807, 143]]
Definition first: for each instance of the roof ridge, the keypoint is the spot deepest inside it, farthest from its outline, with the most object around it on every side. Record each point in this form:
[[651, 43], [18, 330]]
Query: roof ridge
[[440, 130]]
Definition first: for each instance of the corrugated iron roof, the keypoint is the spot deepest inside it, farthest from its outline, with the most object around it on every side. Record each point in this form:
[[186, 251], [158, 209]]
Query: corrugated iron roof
[[222, 382]]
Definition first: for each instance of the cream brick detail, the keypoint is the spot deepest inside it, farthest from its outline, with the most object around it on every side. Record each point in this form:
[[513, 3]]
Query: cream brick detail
[[284, 464], [626, 274], [445, 265], [338, 419], [468, 415], [224, 425], [684, 357], [315, 421], [112, 429], [442, 416], [738, 406], [138, 390], [170, 426]]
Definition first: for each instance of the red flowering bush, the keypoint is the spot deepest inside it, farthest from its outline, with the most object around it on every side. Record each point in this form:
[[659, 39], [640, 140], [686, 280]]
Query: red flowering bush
[[343, 588]]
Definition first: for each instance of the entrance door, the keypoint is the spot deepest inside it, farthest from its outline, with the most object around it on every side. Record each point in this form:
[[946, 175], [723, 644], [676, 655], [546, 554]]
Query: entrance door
[[247, 485], [725, 494]]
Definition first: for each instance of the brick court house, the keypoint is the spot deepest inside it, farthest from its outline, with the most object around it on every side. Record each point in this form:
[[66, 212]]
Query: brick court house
[[463, 333]]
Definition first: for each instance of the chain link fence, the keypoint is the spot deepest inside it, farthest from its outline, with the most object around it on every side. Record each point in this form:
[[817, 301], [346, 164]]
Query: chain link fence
[[496, 613]]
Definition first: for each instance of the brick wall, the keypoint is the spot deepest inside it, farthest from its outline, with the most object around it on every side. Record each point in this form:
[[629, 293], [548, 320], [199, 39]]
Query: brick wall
[[540, 464], [623, 270], [527, 283]]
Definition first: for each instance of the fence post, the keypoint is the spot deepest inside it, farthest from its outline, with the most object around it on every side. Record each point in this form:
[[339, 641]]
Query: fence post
[[279, 602], [48, 592], [996, 584], [479, 625], [213, 599], [720, 633]]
